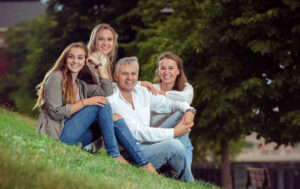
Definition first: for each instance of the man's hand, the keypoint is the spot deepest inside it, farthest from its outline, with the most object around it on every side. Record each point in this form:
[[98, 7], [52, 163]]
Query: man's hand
[[181, 128], [188, 117]]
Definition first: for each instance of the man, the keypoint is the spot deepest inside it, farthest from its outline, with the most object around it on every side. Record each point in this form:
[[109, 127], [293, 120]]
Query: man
[[134, 104]]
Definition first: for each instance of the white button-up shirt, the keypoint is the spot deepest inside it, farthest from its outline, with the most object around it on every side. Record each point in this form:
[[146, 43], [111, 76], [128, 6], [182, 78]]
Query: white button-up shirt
[[138, 119]]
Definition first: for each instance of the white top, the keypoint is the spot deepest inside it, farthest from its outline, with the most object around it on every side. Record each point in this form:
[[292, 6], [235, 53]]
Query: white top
[[184, 96], [77, 96], [138, 119]]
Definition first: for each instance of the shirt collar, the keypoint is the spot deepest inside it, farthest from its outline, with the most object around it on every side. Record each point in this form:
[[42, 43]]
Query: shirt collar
[[119, 94]]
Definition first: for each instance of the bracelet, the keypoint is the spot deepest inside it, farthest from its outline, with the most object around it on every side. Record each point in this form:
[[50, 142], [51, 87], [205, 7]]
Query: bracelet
[[82, 103], [193, 110], [96, 67]]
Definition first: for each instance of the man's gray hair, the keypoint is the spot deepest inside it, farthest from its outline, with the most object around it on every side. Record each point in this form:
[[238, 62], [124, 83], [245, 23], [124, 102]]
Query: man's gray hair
[[126, 61]]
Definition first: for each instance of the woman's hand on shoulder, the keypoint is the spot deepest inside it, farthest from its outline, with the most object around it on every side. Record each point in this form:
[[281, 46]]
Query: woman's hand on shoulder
[[161, 93], [149, 86], [96, 100]]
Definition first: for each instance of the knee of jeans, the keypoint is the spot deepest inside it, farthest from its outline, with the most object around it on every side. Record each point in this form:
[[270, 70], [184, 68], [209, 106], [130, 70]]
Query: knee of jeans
[[116, 117], [177, 147], [94, 107], [106, 107], [189, 146]]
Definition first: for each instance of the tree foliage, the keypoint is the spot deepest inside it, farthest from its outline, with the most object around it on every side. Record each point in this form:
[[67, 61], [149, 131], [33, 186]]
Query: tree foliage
[[29, 46], [241, 57]]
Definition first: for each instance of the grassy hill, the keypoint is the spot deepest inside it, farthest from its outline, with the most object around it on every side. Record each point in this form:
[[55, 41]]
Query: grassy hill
[[30, 160]]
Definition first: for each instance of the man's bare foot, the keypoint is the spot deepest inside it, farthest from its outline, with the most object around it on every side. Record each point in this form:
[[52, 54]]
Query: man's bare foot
[[121, 159], [149, 168]]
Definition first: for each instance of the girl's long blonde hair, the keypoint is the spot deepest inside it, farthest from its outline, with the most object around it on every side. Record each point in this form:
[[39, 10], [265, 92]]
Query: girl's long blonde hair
[[180, 79], [92, 45], [60, 65]]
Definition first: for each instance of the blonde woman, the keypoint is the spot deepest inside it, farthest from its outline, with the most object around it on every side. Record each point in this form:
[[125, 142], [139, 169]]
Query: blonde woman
[[103, 46]]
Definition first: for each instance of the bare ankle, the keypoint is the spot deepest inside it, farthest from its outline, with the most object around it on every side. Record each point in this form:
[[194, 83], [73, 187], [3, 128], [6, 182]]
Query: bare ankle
[[149, 168], [121, 159]]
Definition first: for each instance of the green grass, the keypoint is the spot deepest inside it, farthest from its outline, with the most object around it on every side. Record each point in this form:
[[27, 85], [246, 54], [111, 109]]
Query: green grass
[[30, 160]]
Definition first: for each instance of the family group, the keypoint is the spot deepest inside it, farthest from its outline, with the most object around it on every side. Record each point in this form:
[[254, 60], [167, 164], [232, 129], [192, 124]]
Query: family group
[[88, 95]]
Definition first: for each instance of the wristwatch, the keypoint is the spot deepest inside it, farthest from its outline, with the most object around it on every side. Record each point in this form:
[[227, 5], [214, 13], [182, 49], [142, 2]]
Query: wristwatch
[[96, 67], [193, 110]]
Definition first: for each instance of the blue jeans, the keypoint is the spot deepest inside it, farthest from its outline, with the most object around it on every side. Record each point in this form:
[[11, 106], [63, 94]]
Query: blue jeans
[[171, 122], [168, 152], [171, 152], [80, 128]]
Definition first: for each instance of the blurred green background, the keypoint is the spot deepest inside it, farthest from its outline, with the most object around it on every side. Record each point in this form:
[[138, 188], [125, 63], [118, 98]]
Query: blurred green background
[[241, 56]]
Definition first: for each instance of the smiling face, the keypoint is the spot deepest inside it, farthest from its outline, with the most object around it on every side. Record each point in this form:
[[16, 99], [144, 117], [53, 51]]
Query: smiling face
[[168, 71], [127, 77], [75, 59], [105, 41]]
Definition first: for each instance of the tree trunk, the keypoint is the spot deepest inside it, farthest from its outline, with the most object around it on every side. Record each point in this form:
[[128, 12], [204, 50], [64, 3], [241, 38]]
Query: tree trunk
[[225, 166]]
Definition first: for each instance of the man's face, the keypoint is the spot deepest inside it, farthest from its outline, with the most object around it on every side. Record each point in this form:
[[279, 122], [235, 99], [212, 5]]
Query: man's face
[[127, 77]]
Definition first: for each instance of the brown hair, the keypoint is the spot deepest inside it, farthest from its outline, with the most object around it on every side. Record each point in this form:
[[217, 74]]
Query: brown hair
[[180, 79], [60, 65], [92, 45]]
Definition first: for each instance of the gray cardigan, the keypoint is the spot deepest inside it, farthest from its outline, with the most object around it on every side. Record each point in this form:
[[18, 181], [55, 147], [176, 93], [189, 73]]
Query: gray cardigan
[[54, 111]]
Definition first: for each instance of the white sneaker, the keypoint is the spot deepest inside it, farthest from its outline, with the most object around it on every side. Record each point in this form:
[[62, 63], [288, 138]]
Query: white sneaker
[[94, 146]]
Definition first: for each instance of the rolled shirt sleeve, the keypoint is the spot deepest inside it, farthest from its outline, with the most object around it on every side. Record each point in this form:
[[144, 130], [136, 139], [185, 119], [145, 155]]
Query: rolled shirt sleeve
[[143, 133], [161, 104]]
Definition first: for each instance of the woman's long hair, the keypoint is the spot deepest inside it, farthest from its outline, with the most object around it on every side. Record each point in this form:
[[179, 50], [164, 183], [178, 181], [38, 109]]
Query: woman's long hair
[[60, 65], [180, 79], [92, 45]]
